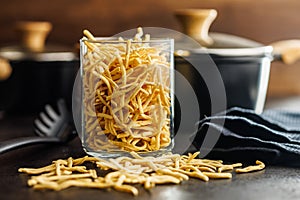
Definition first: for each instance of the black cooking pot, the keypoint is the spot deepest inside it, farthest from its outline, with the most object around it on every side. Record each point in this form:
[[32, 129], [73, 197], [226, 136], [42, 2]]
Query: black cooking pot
[[243, 64], [40, 74]]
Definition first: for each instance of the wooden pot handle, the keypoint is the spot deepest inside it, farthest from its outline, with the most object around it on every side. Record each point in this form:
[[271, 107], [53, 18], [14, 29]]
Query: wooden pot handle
[[5, 69], [289, 50]]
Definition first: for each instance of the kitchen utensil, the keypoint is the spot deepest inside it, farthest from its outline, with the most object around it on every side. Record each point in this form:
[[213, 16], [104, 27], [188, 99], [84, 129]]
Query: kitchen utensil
[[40, 72], [244, 65], [50, 127]]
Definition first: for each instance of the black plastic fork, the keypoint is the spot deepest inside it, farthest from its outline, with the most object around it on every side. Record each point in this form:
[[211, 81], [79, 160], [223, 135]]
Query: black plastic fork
[[50, 127]]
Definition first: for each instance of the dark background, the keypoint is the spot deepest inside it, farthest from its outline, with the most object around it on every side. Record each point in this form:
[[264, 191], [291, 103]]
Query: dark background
[[265, 21]]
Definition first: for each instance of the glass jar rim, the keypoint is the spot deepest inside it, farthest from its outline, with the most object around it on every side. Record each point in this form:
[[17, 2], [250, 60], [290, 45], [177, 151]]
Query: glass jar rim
[[116, 40]]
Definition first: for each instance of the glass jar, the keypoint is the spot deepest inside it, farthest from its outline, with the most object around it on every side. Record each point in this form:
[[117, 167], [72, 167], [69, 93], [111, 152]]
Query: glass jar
[[127, 98]]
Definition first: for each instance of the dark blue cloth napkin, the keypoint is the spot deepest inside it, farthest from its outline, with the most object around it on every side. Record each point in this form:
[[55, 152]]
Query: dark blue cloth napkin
[[243, 135]]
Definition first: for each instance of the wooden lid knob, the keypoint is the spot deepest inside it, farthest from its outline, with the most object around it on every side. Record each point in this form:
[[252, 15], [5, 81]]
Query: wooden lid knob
[[196, 23], [33, 34]]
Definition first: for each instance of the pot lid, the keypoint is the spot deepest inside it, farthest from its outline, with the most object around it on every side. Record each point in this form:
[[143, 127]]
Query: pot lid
[[223, 45], [196, 24], [240, 52], [48, 54], [230, 45], [32, 35]]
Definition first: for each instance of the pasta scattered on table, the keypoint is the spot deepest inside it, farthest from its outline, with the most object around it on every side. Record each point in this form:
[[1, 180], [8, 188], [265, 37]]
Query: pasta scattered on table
[[123, 172]]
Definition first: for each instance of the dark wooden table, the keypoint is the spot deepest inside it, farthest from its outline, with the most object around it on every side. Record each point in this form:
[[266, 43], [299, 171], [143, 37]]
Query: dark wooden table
[[271, 183]]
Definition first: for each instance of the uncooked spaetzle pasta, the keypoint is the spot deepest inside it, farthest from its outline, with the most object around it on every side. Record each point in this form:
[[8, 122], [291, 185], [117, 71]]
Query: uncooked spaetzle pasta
[[126, 171], [127, 101]]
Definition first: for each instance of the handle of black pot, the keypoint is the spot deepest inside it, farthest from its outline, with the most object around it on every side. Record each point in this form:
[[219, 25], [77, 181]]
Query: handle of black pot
[[287, 50], [5, 69]]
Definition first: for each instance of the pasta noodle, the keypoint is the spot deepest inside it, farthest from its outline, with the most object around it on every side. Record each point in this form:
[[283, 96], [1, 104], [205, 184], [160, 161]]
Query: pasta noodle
[[126, 86], [126, 171], [259, 166]]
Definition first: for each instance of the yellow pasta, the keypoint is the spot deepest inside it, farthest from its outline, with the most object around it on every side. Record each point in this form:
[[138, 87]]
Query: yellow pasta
[[126, 171], [259, 166], [131, 80]]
